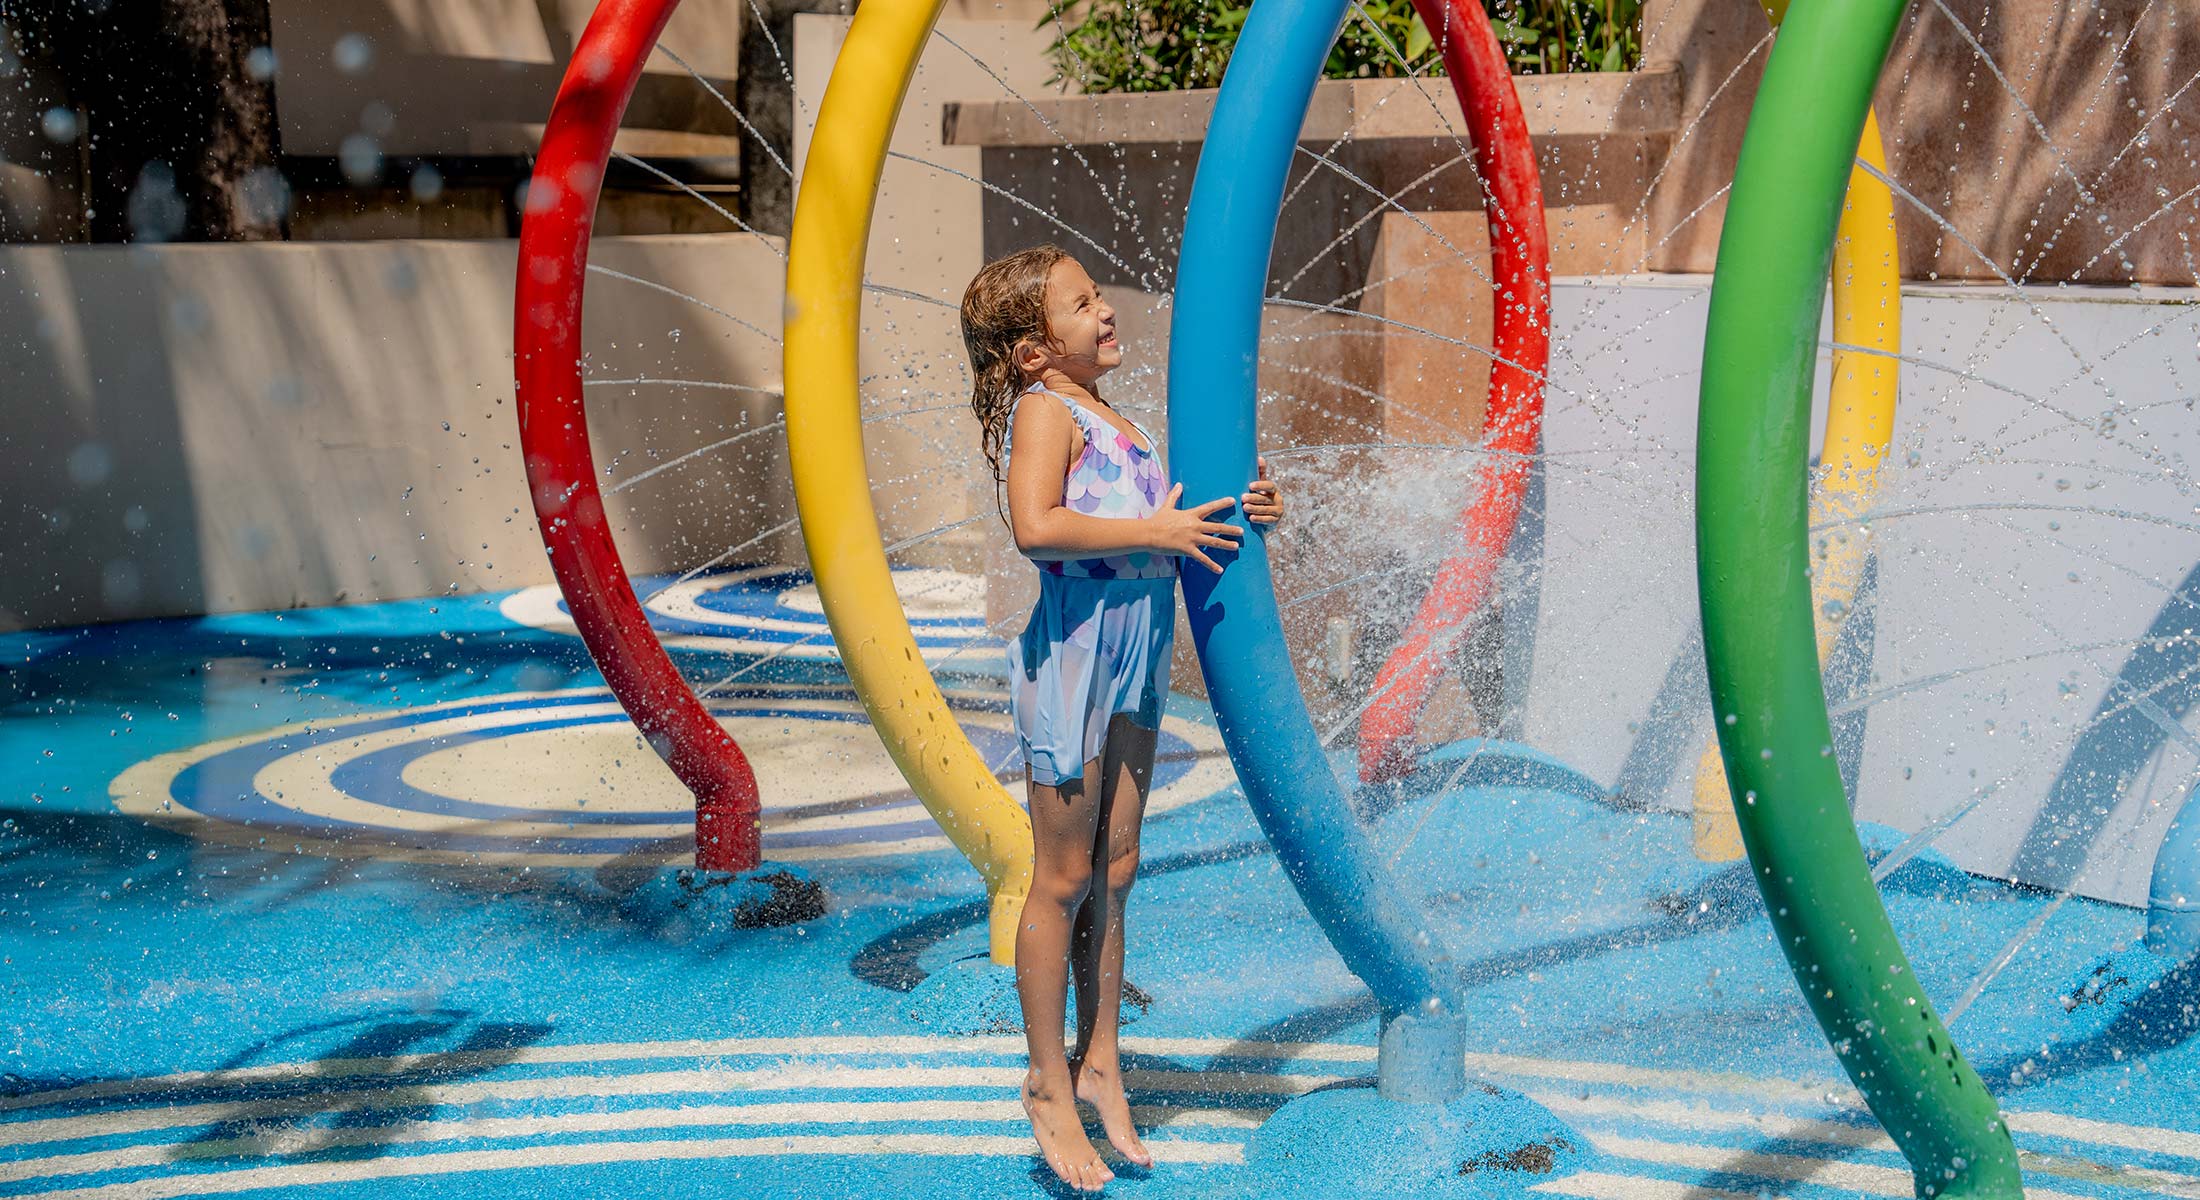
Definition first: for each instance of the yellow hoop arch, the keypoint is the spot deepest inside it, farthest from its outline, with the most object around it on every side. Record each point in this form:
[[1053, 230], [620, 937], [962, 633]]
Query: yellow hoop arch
[[825, 258]]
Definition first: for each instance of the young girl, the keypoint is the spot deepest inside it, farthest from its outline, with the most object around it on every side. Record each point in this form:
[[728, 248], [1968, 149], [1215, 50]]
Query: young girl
[[1090, 672]]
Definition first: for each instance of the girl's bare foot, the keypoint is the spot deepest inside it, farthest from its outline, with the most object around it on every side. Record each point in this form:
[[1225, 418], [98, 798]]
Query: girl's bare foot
[[1102, 1087], [1061, 1134]]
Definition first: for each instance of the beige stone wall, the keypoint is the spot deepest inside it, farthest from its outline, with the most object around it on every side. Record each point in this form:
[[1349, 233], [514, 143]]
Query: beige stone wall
[[1390, 227], [476, 78], [2100, 191], [216, 428], [348, 214], [472, 82]]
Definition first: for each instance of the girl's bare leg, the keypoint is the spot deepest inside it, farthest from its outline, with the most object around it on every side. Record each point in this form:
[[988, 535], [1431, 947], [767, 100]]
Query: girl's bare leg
[[1064, 825], [1097, 1060]]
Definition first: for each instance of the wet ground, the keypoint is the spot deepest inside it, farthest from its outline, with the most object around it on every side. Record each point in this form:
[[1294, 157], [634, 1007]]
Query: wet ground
[[370, 901]]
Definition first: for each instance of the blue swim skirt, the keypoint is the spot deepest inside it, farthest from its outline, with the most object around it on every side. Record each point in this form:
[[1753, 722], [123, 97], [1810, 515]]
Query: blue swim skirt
[[1093, 648]]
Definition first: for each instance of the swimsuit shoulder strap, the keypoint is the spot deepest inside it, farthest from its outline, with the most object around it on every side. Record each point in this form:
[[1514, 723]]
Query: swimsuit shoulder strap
[[1093, 423], [1086, 418]]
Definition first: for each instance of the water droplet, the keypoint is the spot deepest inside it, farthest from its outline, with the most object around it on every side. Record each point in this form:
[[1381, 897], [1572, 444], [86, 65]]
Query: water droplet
[[352, 53], [360, 156], [90, 464], [60, 124]]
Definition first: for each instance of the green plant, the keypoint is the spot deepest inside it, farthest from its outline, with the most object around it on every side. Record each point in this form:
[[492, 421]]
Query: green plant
[[1545, 37], [1166, 45], [1143, 45], [1374, 39]]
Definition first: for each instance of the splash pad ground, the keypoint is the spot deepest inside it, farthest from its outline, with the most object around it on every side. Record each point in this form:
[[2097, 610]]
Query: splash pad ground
[[438, 972]]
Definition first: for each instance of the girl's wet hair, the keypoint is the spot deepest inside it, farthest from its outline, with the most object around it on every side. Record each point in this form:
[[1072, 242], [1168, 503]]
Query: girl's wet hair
[[1004, 306]]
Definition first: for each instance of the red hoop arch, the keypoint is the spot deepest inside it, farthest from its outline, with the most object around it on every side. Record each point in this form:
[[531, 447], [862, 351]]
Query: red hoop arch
[[1520, 251], [553, 431]]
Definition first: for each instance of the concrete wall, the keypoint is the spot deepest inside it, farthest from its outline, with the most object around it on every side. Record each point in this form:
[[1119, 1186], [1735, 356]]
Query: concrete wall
[[213, 428], [468, 87], [2025, 646]]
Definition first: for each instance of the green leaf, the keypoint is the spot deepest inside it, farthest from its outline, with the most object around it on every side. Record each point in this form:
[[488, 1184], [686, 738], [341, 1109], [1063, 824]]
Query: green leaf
[[1517, 35], [1153, 45]]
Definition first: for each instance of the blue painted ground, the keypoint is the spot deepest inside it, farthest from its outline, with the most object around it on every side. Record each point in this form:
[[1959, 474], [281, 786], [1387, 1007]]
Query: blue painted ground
[[185, 1014]]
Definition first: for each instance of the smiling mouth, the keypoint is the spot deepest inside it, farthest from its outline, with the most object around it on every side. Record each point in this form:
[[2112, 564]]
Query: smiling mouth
[[1107, 339]]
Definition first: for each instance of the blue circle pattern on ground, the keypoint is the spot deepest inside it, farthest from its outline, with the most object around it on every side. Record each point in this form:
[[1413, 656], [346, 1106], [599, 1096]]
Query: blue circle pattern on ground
[[746, 601], [223, 786]]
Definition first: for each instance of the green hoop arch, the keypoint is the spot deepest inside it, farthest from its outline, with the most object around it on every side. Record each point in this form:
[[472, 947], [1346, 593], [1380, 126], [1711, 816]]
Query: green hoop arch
[[1752, 563]]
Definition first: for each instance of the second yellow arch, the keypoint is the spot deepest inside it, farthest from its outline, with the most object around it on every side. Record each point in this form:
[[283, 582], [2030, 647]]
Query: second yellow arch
[[825, 258]]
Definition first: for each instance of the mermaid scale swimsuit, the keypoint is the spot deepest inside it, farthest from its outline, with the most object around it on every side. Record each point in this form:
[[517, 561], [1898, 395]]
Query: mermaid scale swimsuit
[[1099, 638]]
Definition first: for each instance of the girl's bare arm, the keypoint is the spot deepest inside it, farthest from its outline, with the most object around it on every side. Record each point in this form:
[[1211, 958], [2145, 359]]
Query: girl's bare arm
[[1048, 443]]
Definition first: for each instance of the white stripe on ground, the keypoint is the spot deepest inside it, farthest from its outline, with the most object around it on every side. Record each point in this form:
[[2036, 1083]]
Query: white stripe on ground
[[1496, 1064], [1598, 1185], [1884, 1181], [1819, 1095], [452, 1062], [1696, 1116], [2155, 1139], [2103, 1133], [291, 1143], [1836, 1095], [595, 1153], [1250, 1051], [1730, 1161], [1790, 1168], [1860, 1137], [648, 1083]]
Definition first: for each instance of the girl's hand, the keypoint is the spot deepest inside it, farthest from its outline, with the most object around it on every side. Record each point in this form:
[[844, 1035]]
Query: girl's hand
[[1262, 502], [1187, 531]]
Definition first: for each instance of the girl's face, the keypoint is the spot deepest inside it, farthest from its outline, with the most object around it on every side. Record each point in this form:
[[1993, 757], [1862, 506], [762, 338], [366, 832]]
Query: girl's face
[[1081, 326]]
